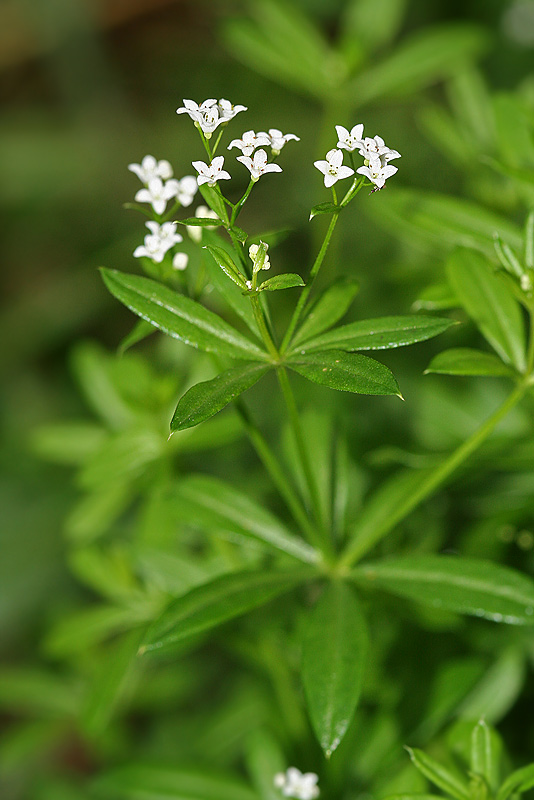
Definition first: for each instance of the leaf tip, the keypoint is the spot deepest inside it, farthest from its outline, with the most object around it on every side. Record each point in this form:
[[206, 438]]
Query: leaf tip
[[142, 650], [399, 395]]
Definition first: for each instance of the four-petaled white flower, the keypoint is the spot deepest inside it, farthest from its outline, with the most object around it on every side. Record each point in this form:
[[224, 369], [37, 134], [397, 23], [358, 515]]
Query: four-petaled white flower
[[180, 261], [249, 142], [377, 173], [350, 141], [333, 169], [210, 114], [211, 173], [258, 165], [160, 239], [294, 783], [375, 150], [277, 139], [157, 193], [151, 168], [186, 190], [195, 231]]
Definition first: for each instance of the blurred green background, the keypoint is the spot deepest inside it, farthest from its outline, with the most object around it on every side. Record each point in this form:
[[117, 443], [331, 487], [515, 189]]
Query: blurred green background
[[88, 87]]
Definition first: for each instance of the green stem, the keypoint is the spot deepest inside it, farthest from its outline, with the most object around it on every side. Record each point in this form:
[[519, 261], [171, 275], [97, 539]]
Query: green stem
[[262, 325], [530, 354], [277, 474], [239, 205], [435, 478], [304, 456], [307, 289]]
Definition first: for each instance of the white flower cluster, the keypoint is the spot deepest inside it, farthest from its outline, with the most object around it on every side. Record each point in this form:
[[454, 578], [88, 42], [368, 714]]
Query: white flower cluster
[[294, 783], [374, 151], [161, 239], [210, 114], [160, 186]]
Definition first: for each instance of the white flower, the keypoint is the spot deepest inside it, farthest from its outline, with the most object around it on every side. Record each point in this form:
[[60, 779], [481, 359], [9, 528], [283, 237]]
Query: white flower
[[377, 173], [195, 231], [376, 150], [150, 168], [253, 253], [186, 190], [258, 165], [294, 783], [333, 169], [160, 239], [249, 142], [350, 141], [227, 111], [210, 114], [277, 139], [180, 261], [157, 193], [211, 173]]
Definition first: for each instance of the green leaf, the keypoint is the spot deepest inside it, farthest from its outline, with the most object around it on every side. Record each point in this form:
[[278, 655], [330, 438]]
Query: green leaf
[[498, 689], [223, 260], [220, 507], [489, 301], [467, 361], [462, 585], [140, 331], [428, 56], [224, 598], [324, 208], [452, 784], [205, 399], [200, 222], [528, 251], [334, 654], [179, 316], [347, 372], [333, 304], [288, 280], [239, 234], [151, 782], [379, 334], [437, 297], [360, 22], [486, 752], [264, 758], [231, 293], [519, 781], [214, 201]]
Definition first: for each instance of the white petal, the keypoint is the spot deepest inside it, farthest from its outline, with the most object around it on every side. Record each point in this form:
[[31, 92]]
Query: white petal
[[322, 166], [344, 172]]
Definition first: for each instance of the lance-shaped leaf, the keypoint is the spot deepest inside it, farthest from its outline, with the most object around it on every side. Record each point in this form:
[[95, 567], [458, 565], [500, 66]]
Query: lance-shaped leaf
[[347, 372], [218, 506], [288, 280], [140, 331], [489, 301], [179, 316], [467, 361], [223, 260], [324, 208], [200, 222], [451, 783], [329, 308], [334, 653], [379, 334], [519, 781], [486, 753], [213, 603], [156, 782], [205, 399], [463, 585]]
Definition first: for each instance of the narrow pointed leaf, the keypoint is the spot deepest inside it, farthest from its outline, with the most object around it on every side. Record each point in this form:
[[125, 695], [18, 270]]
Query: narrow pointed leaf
[[156, 782], [519, 781], [463, 585], [179, 316], [334, 654], [347, 372], [489, 301], [486, 752], [213, 603], [140, 331], [223, 260], [232, 293], [289, 280], [452, 784], [379, 334], [324, 208], [329, 308], [218, 506], [205, 399], [213, 200], [467, 361], [200, 222]]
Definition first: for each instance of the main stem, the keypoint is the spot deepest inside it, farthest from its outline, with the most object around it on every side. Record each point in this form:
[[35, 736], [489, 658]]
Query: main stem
[[433, 480]]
